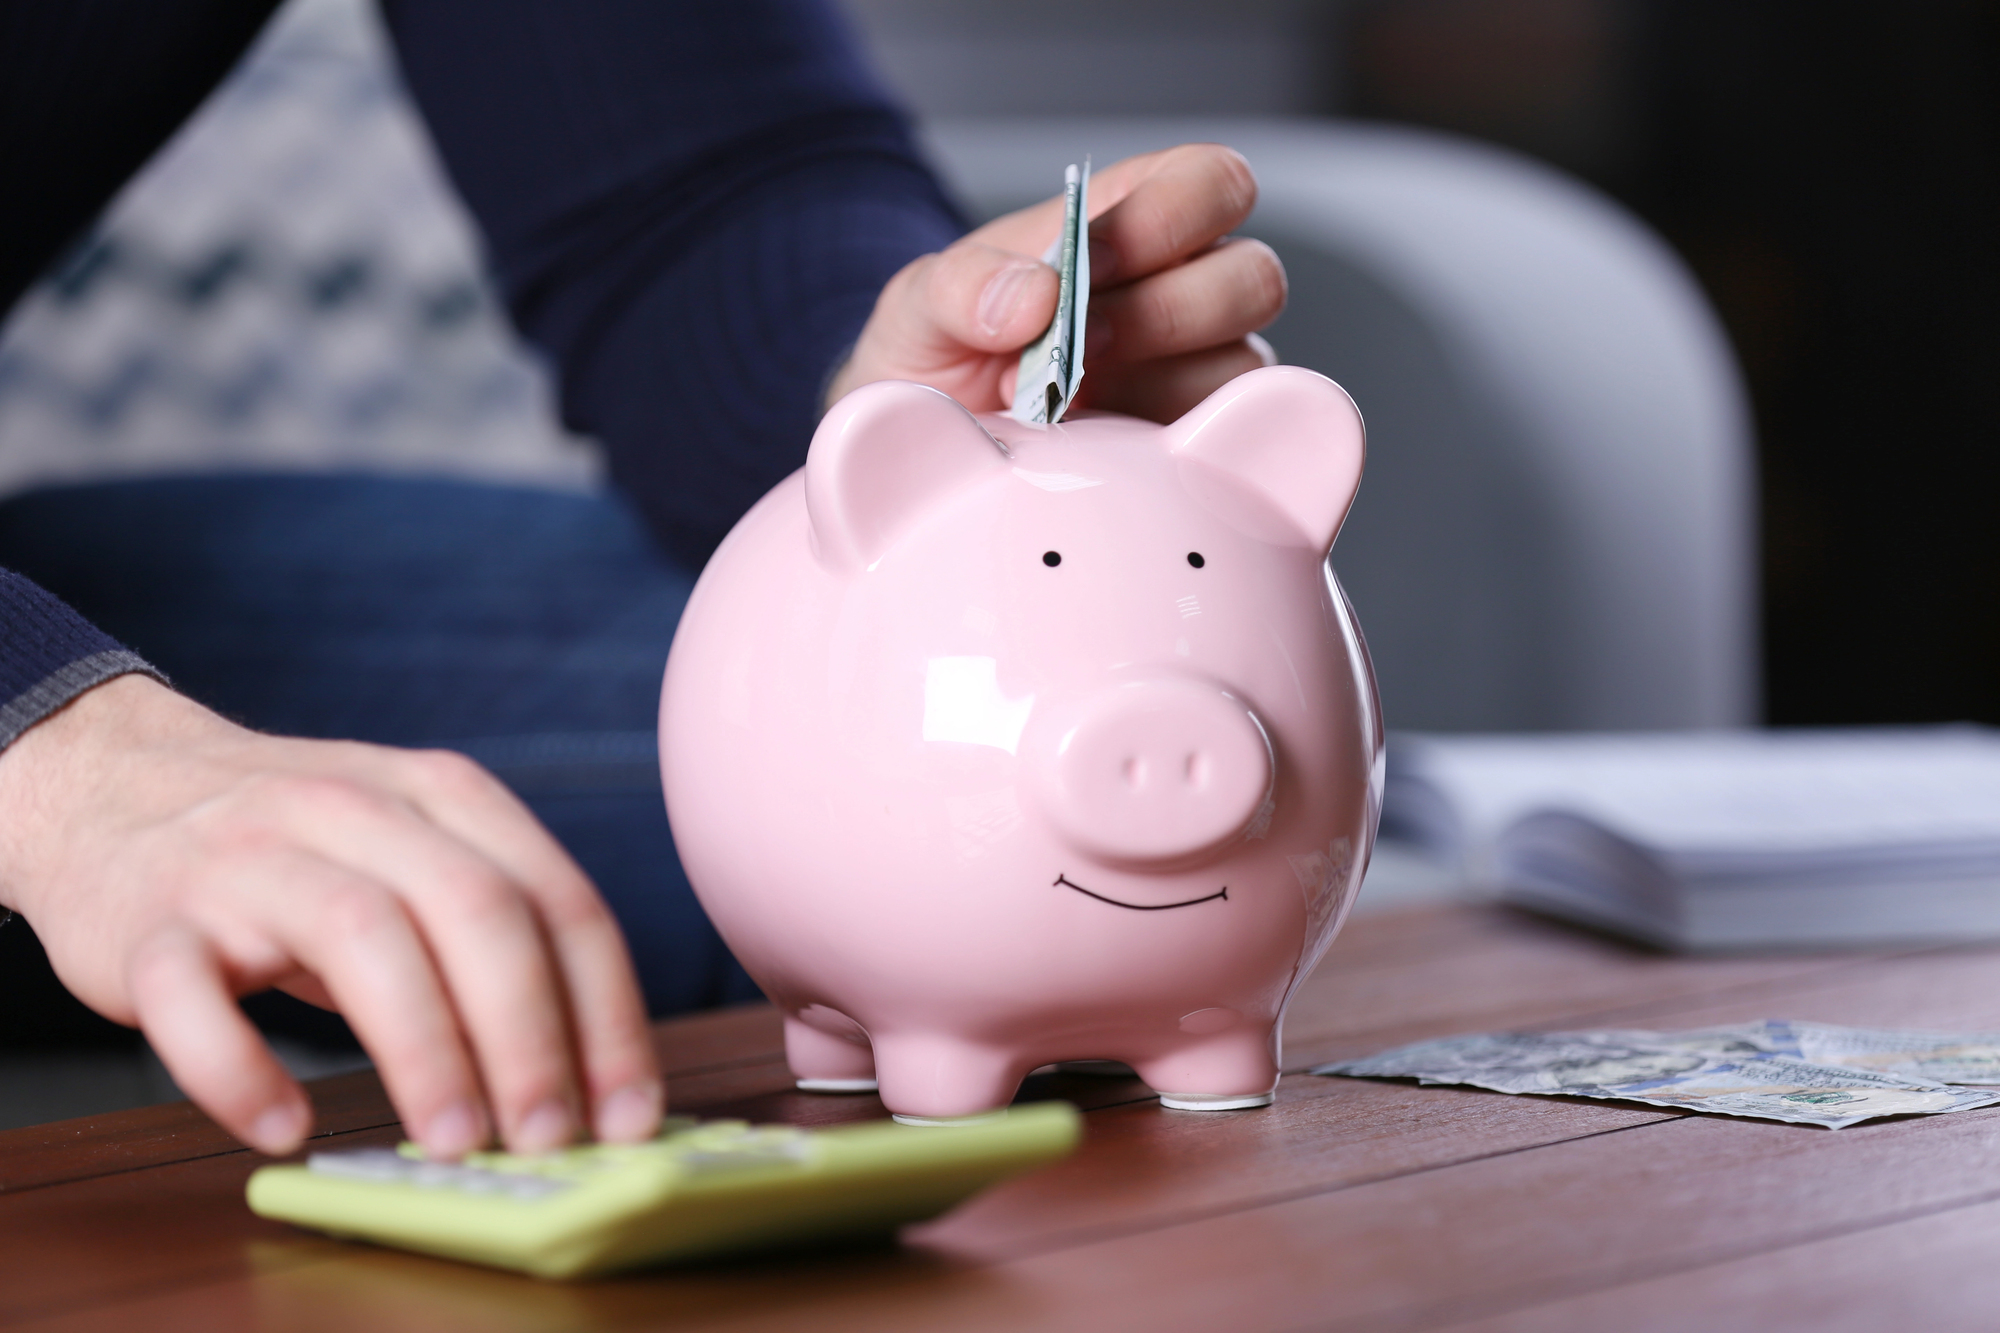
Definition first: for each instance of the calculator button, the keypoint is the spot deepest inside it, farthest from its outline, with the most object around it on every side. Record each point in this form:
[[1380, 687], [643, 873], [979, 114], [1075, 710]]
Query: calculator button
[[382, 1165]]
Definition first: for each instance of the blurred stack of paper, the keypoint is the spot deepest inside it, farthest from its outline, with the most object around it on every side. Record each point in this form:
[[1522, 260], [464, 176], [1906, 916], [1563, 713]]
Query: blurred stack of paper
[[1720, 840]]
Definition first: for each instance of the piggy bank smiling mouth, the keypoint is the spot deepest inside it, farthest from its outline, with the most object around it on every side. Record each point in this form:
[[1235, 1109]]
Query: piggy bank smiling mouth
[[1222, 893]]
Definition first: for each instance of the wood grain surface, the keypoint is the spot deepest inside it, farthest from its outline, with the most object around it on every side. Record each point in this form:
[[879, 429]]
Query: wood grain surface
[[1347, 1205]]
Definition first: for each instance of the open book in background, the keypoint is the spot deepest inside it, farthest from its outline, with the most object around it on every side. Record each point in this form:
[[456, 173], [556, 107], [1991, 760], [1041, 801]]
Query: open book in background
[[1719, 840]]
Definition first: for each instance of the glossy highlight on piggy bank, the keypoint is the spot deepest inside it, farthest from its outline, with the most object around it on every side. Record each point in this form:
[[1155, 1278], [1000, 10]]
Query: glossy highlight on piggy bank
[[988, 746]]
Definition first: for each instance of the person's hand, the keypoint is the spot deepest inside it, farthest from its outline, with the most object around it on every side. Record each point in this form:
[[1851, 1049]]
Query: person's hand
[[1174, 306], [171, 861]]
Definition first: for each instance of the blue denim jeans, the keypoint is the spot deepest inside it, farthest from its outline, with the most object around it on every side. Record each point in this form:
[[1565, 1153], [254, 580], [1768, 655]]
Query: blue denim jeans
[[526, 628]]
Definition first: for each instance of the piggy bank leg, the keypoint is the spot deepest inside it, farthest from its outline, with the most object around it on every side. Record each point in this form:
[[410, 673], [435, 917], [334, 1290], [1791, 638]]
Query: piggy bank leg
[[931, 1079], [1233, 1071], [825, 1061]]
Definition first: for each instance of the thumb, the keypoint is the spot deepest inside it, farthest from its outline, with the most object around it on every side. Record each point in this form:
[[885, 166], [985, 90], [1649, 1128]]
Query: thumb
[[971, 296]]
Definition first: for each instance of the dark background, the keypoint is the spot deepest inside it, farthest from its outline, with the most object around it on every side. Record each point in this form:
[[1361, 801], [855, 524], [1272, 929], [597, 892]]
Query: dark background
[[1831, 171]]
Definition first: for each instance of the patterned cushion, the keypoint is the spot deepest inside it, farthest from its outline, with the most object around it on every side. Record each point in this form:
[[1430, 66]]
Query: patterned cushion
[[289, 284]]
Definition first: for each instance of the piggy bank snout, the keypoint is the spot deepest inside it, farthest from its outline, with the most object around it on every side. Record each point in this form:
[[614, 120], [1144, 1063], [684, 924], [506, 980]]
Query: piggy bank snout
[[1156, 771]]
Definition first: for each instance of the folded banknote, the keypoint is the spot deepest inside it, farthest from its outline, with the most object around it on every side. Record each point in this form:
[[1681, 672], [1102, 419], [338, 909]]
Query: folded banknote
[[1805, 1073], [1052, 366]]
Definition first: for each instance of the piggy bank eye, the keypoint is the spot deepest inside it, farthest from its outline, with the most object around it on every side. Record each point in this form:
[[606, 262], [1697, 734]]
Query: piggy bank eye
[[1194, 558], [1052, 558]]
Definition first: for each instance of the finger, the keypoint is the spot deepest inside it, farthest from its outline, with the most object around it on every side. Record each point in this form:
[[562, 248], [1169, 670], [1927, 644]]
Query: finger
[[1147, 212], [485, 936], [1191, 197], [1234, 289], [620, 1070], [312, 990], [968, 296], [189, 1014], [1031, 230], [354, 934], [1166, 389], [1157, 210]]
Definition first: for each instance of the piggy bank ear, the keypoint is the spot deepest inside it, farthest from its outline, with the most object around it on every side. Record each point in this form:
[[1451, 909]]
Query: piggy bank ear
[[882, 457], [1277, 452]]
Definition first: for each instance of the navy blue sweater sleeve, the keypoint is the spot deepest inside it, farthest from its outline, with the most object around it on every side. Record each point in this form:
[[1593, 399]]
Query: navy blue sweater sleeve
[[690, 208], [48, 655], [88, 90]]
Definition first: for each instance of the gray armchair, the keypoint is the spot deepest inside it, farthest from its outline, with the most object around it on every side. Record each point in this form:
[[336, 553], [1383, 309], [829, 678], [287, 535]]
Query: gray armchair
[[1556, 528]]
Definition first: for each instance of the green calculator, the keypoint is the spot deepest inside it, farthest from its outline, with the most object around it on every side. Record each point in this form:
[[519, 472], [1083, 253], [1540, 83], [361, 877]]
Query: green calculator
[[700, 1188]]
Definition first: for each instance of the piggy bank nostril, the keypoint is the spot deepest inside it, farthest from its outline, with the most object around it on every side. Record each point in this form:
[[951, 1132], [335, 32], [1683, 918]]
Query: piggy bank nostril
[[1135, 773], [1195, 770]]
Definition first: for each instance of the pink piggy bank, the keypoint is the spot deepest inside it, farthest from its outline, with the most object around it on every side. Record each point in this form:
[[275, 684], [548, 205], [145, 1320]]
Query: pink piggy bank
[[988, 745]]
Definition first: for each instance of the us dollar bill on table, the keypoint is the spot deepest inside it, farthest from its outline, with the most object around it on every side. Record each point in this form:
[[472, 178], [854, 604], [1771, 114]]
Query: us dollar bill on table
[[1052, 365], [1936, 1057], [1728, 1071]]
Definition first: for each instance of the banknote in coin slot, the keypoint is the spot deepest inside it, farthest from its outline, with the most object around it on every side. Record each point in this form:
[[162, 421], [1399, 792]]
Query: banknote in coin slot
[[1052, 365]]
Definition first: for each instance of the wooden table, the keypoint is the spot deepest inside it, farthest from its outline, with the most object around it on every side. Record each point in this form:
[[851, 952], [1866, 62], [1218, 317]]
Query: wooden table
[[1349, 1204]]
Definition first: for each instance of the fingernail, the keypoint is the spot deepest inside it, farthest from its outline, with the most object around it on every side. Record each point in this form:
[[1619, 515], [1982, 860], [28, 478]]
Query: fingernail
[[280, 1128], [543, 1129], [1096, 335], [454, 1131], [1002, 294], [631, 1114]]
